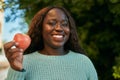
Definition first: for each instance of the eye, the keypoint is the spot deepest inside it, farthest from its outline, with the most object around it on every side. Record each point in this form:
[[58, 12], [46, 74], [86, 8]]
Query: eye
[[64, 24], [52, 23]]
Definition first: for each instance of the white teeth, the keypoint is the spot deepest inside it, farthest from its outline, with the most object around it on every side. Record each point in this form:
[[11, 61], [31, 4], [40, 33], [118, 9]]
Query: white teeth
[[58, 36]]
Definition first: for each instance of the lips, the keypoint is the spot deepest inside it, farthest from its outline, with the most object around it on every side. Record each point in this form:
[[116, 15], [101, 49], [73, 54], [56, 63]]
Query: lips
[[58, 37]]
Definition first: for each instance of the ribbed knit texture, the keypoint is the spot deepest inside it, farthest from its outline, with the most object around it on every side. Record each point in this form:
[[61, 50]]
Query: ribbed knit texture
[[72, 66]]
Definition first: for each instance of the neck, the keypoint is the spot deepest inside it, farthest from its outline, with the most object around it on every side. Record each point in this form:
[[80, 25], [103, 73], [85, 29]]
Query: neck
[[51, 51]]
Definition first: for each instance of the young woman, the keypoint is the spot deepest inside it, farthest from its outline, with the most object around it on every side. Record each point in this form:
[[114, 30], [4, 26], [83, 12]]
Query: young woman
[[54, 52]]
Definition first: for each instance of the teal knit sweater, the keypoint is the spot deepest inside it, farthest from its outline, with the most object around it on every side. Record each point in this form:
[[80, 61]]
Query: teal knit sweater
[[72, 66]]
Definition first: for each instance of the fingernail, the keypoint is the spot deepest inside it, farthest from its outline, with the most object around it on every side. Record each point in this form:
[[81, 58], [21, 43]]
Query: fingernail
[[13, 47], [16, 43], [21, 50], [21, 53]]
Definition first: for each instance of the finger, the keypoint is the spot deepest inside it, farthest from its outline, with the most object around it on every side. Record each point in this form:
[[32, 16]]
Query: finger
[[16, 66], [8, 45], [12, 52], [16, 61], [17, 56]]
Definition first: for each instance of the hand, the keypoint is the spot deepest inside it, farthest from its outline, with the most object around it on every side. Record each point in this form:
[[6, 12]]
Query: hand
[[14, 55]]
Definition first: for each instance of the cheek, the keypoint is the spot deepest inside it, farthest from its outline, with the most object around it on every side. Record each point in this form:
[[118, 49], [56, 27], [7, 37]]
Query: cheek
[[67, 31], [46, 32], [46, 29]]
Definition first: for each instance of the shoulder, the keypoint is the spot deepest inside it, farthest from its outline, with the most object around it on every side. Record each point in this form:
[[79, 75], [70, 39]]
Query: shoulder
[[87, 64], [80, 56], [85, 60]]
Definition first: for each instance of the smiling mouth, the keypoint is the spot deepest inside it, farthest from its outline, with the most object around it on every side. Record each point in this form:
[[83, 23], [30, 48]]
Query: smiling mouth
[[58, 36]]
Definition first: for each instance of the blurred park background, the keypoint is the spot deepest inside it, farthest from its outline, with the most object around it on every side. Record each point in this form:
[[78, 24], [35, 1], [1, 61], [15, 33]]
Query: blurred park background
[[98, 25]]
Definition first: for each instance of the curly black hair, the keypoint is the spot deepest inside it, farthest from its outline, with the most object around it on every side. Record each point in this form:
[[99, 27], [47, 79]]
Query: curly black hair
[[35, 32]]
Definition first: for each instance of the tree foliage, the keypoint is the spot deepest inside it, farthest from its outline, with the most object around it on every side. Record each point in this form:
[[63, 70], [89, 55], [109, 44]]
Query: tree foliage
[[1, 5], [98, 25]]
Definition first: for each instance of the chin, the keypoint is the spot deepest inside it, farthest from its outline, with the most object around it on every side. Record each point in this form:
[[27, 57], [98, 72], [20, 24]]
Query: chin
[[58, 45]]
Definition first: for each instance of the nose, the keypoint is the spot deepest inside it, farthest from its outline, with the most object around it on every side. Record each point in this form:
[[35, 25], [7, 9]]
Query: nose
[[58, 28]]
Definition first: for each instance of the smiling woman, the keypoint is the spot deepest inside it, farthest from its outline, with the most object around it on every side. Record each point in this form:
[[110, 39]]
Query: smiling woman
[[55, 31], [54, 52]]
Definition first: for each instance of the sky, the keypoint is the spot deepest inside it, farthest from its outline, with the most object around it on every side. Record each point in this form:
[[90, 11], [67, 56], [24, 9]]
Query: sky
[[10, 28]]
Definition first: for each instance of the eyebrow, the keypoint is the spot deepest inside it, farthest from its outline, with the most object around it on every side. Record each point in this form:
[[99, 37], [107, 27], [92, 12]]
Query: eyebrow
[[57, 20]]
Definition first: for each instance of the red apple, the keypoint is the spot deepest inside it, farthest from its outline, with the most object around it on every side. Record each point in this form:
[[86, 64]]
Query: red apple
[[23, 40]]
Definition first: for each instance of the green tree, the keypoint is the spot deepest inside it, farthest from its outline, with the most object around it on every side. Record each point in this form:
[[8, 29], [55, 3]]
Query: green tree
[[98, 25]]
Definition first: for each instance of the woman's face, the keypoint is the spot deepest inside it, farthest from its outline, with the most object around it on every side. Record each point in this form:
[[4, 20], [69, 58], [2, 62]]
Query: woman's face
[[56, 29]]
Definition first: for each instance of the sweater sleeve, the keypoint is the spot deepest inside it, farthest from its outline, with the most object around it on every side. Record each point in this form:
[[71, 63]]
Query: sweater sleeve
[[15, 75]]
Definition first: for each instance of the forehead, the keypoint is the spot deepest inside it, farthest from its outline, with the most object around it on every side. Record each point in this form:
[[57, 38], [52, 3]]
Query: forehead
[[56, 13]]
